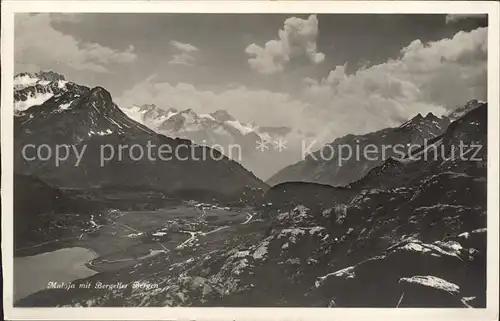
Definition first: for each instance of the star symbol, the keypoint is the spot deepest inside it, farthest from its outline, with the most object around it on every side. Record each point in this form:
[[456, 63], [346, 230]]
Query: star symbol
[[280, 144], [262, 145]]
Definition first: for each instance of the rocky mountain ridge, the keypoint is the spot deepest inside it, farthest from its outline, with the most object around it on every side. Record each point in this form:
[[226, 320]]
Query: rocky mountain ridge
[[347, 159]]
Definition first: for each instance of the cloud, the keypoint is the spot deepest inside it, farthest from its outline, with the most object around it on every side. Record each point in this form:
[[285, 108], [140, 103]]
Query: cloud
[[436, 76], [182, 59], [426, 77], [262, 106], [451, 18], [183, 46], [185, 57], [39, 46], [296, 39], [70, 17]]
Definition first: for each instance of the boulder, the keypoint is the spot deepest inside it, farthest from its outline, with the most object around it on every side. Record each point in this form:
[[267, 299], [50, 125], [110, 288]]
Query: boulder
[[428, 291]]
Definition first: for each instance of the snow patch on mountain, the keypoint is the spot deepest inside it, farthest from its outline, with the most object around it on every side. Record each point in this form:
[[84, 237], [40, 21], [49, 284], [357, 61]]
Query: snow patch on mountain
[[219, 128], [65, 106], [243, 128], [101, 132], [184, 123], [34, 100], [25, 80], [463, 110], [134, 113], [208, 116]]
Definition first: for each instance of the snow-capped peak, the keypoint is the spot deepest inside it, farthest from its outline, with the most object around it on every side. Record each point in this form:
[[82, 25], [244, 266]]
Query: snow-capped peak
[[149, 114], [31, 89], [243, 128], [187, 122], [173, 121], [222, 115], [43, 78], [24, 80], [462, 110]]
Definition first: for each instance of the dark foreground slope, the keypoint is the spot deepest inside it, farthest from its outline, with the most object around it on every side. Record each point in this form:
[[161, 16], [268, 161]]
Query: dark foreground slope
[[43, 214], [418, 239]]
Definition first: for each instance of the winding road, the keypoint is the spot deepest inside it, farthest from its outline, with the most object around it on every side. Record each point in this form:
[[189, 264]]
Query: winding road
[[194, 235]]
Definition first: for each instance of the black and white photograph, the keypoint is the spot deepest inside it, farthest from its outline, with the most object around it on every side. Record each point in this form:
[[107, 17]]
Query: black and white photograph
[[240, 159]]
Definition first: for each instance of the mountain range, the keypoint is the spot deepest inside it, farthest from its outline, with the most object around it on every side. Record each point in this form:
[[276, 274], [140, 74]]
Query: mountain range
[[82, 117], [345, 160], [240, 141], [223, 130]]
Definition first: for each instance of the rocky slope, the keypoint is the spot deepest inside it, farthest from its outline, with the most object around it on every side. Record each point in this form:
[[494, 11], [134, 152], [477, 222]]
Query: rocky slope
[[416, 239], [344, 160], [44, 214]]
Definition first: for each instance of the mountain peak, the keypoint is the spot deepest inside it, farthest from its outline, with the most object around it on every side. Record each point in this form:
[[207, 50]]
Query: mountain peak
[[419, 117], [97, 99], [23, 74], [463, 110], [472, 103], [222, 115], [415, 120], [189, 112], [50, 75], [430, 116], [100, 93], [41, 75], [148, 107]]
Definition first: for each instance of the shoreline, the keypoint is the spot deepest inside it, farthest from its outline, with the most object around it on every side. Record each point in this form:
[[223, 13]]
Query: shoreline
[[47, 266], [57, 245]]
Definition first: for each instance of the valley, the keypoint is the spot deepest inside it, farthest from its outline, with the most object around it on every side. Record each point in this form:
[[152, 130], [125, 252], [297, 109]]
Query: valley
[[131, 237]]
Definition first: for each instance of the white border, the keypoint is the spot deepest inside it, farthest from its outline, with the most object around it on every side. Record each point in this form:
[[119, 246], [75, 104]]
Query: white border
[[219, 314]]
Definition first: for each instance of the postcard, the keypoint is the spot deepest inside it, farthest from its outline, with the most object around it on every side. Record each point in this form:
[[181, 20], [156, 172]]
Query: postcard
[[250, 160]]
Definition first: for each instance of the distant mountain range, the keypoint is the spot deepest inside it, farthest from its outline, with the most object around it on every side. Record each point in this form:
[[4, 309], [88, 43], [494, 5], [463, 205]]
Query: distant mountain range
[[344, 161], [221, 130]]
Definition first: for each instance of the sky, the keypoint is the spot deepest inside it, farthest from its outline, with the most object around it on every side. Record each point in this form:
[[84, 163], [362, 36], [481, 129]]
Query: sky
[[330, 74]]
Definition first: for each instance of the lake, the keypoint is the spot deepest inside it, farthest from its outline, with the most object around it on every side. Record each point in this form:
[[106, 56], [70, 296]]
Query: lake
[[33, 273]]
